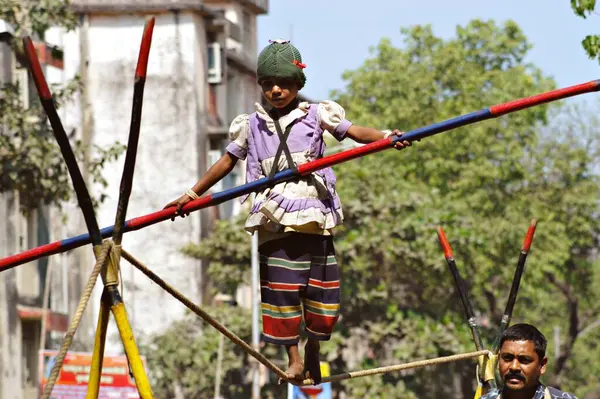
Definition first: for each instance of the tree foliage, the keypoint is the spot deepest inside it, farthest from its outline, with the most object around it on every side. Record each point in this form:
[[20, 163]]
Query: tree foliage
[[35, 17], [591, 43], [30, 160], [182, 360], [483, 183], [227, 249]]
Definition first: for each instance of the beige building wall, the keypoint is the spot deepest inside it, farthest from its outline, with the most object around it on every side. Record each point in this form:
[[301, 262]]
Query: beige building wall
[[184, 129]]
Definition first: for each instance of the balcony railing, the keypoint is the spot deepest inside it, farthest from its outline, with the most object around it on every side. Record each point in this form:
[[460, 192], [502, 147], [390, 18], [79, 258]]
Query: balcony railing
[[258, 6]]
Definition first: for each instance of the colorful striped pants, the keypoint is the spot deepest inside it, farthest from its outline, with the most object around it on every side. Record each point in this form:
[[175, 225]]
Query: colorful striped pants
[[299, 277]]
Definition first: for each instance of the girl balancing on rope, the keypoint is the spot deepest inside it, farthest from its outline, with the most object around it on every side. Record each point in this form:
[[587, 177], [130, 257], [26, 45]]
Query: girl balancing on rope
[[295, 219]]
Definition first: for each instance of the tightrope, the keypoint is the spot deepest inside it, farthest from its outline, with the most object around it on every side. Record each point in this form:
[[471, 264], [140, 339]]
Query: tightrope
[[400, 367], [266, 362]]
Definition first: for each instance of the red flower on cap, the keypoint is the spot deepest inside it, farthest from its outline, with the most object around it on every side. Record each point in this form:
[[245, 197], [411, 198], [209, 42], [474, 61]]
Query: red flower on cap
[[299, 64]]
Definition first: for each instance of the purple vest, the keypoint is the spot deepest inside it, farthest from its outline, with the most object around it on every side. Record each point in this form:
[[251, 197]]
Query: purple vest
[[305, 134]]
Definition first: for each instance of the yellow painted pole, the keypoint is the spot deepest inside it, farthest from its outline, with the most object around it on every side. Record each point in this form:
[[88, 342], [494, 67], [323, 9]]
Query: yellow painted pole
[[99, 342], [131, 349], [112, 299]]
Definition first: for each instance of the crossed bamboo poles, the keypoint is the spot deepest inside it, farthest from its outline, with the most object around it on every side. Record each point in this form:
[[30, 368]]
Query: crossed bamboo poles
[[487, 365], [108, 253]]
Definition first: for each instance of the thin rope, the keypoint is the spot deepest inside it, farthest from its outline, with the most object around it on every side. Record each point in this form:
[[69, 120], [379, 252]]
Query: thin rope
[[399, 367], [116, 258], [101, 260], [205, 316], [266, 362]]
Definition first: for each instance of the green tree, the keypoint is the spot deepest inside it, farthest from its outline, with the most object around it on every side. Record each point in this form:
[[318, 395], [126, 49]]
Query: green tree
[[228, 250], [185, 352], [182, 360], [570, 152], [35, 17], [483, 183], [30, 160], [591, 43]]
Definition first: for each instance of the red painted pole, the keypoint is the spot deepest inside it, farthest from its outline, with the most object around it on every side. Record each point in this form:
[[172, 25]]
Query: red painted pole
[[217, 198]]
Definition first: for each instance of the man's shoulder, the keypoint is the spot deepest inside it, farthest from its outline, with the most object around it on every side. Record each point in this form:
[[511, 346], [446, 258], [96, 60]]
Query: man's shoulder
[[493, 394], [558, 394], [553, 392]]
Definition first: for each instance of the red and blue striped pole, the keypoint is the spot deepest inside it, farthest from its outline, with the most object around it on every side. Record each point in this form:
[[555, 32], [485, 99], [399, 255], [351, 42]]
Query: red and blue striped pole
[[305, 169]]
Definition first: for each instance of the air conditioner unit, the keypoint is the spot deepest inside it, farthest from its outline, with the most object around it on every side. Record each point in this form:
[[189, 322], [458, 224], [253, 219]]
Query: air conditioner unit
[[6, 28], [215, 63]]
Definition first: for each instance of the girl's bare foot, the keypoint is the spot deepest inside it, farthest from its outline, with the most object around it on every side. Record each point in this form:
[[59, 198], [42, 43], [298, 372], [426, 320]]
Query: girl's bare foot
[[312, 361], [294, 372], [295, 369]]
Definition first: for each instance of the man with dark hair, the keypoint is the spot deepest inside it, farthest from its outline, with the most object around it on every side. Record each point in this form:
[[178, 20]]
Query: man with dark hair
[[522, 361]]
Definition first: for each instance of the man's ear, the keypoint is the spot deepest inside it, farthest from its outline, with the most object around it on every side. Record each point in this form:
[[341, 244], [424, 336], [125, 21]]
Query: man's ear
[[543, 363]]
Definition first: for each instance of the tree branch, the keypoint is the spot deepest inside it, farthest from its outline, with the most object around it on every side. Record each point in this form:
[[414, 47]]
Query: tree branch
[[573, 311]]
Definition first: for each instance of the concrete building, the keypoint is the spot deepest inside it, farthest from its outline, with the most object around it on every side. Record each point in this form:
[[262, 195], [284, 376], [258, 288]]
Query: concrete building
[[23, 289], [200, 76]]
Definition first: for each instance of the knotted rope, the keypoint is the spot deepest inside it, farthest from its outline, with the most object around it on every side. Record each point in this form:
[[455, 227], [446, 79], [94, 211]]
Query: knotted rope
[[101, 252]]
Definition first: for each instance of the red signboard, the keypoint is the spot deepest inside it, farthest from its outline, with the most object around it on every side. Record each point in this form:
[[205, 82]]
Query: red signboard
[[115, 382]]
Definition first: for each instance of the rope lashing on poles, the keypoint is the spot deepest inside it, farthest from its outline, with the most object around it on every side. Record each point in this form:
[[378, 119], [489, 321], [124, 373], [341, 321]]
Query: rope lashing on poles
[[102, 258], [488, 363], [304, 169], [266, 362], [109, 269]]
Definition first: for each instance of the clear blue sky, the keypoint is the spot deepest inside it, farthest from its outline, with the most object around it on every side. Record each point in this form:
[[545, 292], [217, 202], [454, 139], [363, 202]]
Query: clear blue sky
[[335, 35]]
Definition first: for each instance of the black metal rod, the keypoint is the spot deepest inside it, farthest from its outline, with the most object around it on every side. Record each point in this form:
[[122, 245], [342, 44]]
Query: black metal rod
[[134, 133], [468, 307], [514, 289], [461, 288], [83, 196]]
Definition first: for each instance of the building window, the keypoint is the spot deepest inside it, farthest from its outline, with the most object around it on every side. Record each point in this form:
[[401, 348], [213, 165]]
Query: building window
[[30, 335], [215, 62]]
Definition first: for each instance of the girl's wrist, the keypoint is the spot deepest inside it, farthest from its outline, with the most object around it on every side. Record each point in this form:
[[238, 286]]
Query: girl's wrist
[[192, 194]]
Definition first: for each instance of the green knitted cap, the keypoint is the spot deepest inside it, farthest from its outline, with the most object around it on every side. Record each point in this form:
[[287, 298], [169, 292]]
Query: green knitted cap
[[281, 60]]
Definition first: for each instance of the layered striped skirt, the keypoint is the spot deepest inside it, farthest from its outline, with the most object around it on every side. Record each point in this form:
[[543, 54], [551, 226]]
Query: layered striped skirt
[[299, 280]]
